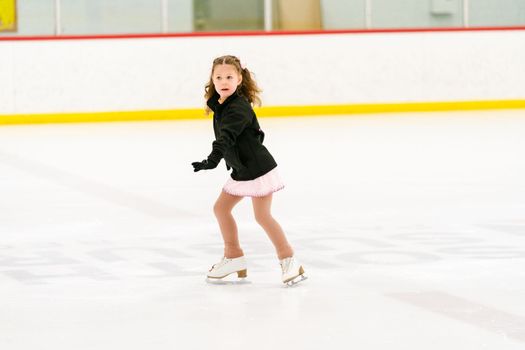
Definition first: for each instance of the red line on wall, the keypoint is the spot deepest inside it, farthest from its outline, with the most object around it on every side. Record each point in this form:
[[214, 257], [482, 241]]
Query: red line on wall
[[255, 33]]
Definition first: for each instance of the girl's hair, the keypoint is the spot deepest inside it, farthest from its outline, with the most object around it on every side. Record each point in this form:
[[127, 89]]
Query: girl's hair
[[248, 87]]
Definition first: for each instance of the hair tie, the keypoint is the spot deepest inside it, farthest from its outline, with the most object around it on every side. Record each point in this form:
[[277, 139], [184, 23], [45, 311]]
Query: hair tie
[[243, 65]]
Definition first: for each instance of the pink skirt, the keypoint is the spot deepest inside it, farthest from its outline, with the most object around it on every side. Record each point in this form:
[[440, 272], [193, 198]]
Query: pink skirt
[[262, 186]]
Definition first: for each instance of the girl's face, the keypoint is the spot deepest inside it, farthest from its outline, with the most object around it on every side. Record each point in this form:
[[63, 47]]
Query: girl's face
[[226, 79]]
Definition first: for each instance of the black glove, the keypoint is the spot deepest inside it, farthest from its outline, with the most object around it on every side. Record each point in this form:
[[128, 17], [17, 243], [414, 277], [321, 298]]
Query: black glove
[[204, 165]]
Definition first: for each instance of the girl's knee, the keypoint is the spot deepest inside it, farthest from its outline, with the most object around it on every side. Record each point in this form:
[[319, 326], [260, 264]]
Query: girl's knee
[[220, 210], [217, 210], [263, 218]]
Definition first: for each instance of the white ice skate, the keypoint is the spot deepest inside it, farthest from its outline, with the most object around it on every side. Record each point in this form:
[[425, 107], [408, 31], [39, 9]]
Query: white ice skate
[[228, 266], [293, 271]]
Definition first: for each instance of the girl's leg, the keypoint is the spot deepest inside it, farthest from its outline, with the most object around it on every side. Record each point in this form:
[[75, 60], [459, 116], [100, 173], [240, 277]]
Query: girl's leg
[[262, 210], [223, 212]]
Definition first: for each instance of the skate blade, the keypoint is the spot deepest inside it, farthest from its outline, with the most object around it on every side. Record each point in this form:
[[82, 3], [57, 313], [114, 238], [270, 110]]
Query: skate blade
[[228, 279], [294, 282]]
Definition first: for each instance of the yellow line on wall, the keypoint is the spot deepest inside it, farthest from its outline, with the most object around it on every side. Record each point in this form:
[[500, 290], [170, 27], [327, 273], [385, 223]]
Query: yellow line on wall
[[389, 108], [94, 117], [276, 111]]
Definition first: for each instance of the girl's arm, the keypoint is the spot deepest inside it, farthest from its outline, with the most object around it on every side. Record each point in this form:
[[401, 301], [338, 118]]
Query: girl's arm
[[233, 124]]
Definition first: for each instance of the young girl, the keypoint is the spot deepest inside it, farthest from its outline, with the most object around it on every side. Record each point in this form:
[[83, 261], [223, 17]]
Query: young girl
[[230, 93]]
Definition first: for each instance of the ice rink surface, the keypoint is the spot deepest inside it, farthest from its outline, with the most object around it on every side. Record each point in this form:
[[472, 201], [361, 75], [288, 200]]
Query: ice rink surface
[[411, 228]]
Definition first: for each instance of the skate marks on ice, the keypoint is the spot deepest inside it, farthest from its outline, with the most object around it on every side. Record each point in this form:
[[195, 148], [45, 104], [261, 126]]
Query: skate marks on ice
[[482, 316], [411, 245], [109, 193], [147, 257]]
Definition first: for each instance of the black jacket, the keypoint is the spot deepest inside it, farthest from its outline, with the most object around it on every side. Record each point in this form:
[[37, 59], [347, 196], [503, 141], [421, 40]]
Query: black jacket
[[238, 138]]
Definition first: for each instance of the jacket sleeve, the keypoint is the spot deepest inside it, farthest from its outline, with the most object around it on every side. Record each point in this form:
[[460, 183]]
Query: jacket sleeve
[[233, 124]]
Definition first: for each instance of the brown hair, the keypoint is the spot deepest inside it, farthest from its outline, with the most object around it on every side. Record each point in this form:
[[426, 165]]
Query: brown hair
[[248, 87]]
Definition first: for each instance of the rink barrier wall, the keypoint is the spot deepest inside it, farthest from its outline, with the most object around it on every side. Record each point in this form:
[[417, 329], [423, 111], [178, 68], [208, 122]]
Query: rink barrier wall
[[266, 112], [161, 77]]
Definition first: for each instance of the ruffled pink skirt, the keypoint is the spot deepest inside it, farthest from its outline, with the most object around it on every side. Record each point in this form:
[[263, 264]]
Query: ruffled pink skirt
[[262, 186]]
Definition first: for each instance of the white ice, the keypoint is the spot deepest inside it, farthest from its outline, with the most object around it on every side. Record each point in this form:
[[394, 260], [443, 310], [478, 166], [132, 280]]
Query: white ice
[[411, 228]]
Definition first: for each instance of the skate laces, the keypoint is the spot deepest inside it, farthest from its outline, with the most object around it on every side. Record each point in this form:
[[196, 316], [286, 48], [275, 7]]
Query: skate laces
[[221, 263], [285, 264]]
